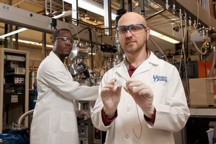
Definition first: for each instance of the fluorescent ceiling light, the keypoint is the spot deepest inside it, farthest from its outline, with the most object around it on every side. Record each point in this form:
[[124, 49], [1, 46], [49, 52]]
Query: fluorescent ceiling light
[[22, 41], [13, 32], [163, 37], [92, 7], [31, 42]]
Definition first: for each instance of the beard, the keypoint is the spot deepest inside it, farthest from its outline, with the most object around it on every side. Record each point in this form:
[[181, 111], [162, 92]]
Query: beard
[[134, 47]]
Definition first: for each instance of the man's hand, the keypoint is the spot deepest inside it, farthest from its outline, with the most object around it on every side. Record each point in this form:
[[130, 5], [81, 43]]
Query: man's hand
[[142, 95], [110, 95]]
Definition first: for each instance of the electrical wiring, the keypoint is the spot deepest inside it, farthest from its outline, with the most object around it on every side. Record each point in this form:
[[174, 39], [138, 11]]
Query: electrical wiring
[[138, 137], [195, 45], [184, 30], [161, 51], [195, 25]]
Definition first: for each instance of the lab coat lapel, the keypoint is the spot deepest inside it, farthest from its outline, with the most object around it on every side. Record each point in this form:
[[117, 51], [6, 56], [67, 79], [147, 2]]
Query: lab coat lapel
[[57, 60], [147, 64], [55, 57]]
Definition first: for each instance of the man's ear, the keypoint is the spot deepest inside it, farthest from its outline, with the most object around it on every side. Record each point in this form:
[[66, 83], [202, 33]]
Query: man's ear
[[147, 33]]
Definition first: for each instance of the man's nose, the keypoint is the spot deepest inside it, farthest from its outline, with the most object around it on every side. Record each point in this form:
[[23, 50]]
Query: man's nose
[[69, 42], [128, 33]]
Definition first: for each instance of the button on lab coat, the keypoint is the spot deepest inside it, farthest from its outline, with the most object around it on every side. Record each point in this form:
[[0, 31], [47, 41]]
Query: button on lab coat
[[54, 119], [172, 111]]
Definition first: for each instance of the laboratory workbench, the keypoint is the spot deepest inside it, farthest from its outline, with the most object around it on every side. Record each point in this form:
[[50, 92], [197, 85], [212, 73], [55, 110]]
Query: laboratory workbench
[[206, 111]]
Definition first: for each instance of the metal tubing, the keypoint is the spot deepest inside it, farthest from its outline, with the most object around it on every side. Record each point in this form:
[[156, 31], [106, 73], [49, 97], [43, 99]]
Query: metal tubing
[[130, 5], [107, 17]]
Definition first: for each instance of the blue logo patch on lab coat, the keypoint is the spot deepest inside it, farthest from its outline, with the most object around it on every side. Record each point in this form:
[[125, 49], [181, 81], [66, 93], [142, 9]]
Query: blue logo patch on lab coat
[[159, 78]]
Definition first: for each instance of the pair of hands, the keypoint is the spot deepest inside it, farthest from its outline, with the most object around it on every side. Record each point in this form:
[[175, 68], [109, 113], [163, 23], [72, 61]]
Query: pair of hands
[[141, 93]]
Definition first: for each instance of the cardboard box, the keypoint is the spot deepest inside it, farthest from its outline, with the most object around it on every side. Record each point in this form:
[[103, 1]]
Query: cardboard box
[[202, 92]]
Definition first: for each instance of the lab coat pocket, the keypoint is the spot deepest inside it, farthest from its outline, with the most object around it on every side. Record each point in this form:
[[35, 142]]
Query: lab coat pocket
[[67, 121]]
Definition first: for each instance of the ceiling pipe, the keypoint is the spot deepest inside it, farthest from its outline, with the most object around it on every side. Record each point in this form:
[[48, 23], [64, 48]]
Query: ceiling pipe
[[120, 12], [121, 4], [63, 14], [130, 6], [107, 17], [142, 6], [74, 11]]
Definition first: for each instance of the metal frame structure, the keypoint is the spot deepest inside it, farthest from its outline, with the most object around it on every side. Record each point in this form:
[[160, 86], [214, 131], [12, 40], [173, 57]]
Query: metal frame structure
[[23, 18], [192, 8]]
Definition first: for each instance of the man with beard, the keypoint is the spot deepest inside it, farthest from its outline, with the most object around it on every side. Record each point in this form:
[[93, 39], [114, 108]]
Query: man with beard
[[142, 99]]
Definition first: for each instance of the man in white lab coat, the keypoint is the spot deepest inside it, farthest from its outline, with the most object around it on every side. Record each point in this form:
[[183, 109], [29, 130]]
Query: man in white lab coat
[[54, 119], [142, 100]]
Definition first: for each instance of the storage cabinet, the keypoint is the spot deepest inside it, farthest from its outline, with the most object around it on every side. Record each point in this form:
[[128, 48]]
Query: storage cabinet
[[14, 86]]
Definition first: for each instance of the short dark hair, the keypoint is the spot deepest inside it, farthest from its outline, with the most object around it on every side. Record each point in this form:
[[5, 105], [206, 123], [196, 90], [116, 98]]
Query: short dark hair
[[57, 31]]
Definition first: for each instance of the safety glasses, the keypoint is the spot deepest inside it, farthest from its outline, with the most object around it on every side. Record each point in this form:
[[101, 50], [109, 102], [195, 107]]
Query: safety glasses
[[133, 28], [66, 39]]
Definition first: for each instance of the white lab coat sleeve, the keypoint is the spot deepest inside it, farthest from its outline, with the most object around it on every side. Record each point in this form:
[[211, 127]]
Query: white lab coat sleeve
[[173, 115], [96, 111], [60, 82]]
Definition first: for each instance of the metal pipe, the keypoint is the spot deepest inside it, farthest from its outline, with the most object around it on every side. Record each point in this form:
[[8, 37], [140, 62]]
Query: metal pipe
[[16, 39], [92, 47], [130, 5], [122, 4], [155, 14], [107, 17], [142, 8], [44, 45], [5, 39], [23, 116], [75, 12], [11, 37]]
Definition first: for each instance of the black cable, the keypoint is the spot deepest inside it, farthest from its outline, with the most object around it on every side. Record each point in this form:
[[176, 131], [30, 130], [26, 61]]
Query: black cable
[[81, 31], [90, 38]]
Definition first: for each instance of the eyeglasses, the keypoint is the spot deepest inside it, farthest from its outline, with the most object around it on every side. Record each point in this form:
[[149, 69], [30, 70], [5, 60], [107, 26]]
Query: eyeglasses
[[66, 39], [133, 28]]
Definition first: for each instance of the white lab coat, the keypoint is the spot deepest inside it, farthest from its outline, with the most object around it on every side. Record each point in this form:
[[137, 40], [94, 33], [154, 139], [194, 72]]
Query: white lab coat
[[172, 111], [54, 119]]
